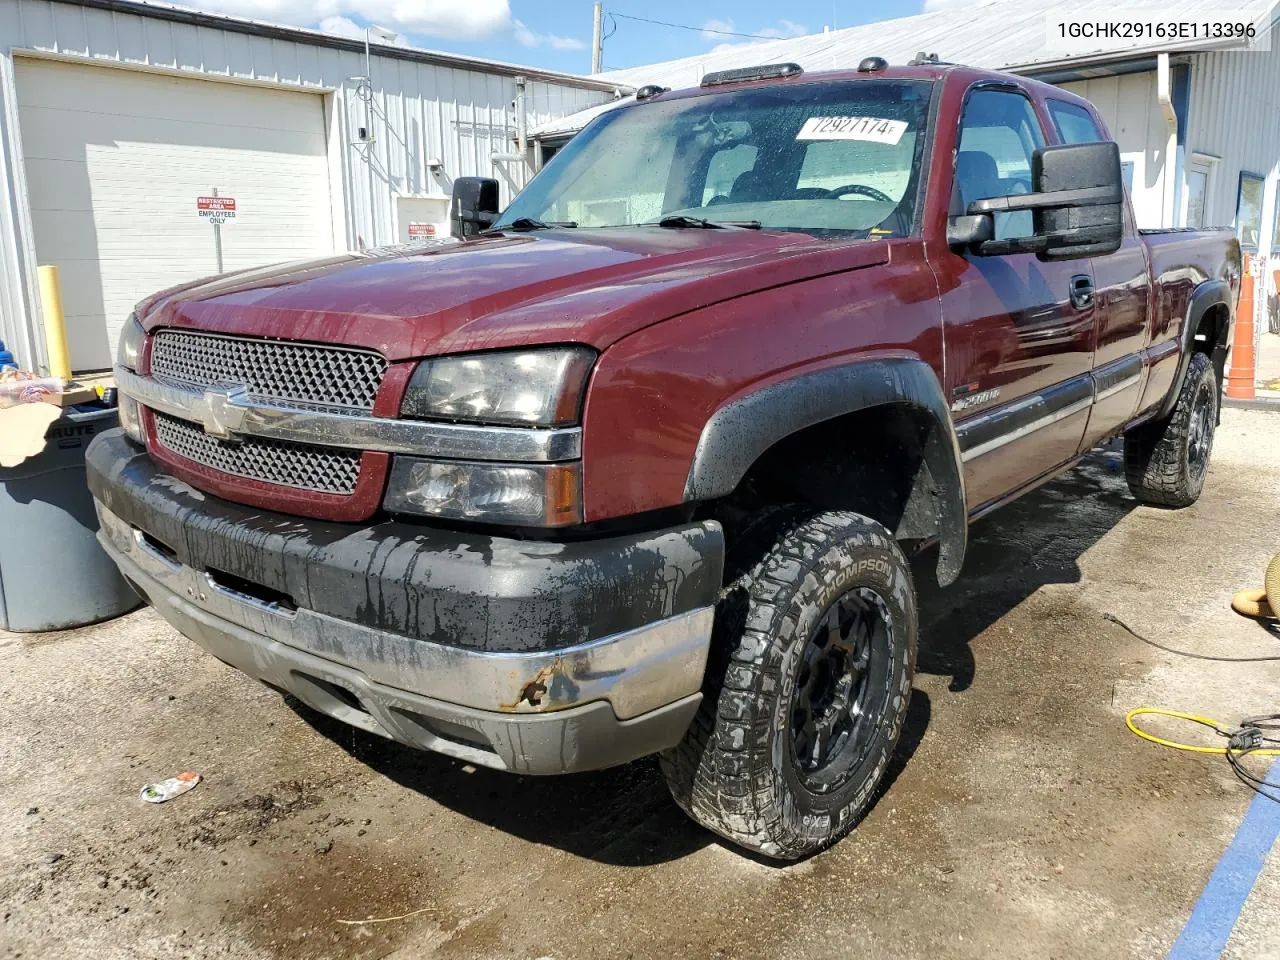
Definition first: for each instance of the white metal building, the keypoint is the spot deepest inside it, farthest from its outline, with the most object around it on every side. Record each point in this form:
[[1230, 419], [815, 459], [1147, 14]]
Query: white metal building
[[1199, 132], [115, 116]]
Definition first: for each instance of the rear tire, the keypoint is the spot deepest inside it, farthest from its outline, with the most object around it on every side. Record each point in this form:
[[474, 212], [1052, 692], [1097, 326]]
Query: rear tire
[[807, 687], [1166, 462]]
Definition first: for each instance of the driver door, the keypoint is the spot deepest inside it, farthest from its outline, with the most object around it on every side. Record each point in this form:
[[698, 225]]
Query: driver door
[[1019, 332]]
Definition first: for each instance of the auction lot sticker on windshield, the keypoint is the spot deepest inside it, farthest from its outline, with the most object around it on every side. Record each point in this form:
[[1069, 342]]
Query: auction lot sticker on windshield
[[853, 128]]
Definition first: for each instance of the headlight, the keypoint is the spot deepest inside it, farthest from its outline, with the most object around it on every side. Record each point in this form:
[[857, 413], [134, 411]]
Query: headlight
[[131, 419], [538, 495], [127, 350], [540, 387], [130, 345]]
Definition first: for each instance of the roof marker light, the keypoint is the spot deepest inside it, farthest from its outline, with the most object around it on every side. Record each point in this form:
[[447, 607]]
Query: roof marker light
[[768, 71]]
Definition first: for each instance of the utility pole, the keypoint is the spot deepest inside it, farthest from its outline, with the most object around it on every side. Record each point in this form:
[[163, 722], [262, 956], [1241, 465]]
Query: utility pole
[[597, 38]]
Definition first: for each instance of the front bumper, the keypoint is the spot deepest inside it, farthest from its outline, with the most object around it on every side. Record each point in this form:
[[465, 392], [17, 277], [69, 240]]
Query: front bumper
[[530, 703]]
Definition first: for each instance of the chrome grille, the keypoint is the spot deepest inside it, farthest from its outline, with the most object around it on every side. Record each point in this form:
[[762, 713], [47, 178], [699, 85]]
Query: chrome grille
[[306, 467], [334, 377]]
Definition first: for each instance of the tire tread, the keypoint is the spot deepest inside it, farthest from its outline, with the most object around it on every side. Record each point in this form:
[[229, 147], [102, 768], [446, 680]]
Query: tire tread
[[712, 774], [1156, 465]]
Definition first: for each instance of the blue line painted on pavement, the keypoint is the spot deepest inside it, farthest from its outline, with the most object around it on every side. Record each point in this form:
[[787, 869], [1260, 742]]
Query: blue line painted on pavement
[[1215, 914]]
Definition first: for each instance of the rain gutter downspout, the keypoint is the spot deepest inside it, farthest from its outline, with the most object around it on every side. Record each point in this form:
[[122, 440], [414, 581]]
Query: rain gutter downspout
[[1164, 94]]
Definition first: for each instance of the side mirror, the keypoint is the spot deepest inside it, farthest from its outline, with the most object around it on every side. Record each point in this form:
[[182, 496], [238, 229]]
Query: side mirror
[[1091, 226], [474, 206], [969, 231], [1077, 206]]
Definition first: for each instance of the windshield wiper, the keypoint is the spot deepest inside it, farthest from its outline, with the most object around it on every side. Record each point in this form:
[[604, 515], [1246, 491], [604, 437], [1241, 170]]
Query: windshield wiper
[[529, 223], [680, 221]]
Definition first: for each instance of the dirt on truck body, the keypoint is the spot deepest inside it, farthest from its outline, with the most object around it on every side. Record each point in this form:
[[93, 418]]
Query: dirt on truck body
[[634, 467]]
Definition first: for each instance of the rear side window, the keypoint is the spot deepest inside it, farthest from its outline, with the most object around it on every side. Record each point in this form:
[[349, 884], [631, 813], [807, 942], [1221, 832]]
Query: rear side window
[[1074, 123]]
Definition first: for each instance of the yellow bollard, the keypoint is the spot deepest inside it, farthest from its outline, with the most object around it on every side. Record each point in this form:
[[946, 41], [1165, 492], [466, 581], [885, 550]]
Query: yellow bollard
[[55, 325]]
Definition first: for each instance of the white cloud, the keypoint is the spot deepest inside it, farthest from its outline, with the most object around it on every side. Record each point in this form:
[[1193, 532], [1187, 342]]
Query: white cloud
[[451, 19], [715, 30], [528, 38], [784, 29], [933, 6], [342, 27], [564, 43]]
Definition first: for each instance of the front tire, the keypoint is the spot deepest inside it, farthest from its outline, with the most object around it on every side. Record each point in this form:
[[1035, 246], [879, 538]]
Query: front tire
[[806, 691], [1165, 463]]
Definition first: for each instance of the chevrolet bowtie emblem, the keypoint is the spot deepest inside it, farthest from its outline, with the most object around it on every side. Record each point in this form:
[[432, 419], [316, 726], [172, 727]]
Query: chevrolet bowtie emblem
[[224, 412]]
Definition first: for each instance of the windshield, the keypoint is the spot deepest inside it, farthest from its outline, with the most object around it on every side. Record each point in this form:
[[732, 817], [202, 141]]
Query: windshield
[[830, 159]]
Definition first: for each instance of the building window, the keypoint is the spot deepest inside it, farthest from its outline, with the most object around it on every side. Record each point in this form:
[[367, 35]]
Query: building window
[[550, 148], [1275, 225], [1074, 123], [1197, 211], [1197, 190], [1249, 210]]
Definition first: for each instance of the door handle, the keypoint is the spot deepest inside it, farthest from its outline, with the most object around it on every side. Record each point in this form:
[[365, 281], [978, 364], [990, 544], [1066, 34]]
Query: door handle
[[1081, 291]]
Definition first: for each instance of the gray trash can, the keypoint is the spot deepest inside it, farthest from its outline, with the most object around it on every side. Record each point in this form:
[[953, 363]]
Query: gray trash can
[[53, 574]]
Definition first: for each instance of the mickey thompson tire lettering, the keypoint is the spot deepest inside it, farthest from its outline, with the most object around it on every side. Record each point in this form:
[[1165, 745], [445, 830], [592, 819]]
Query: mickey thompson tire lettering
[[734, 772]]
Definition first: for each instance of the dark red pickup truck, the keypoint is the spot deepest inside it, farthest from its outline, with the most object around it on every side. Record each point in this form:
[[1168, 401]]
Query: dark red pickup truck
[[635, 467]]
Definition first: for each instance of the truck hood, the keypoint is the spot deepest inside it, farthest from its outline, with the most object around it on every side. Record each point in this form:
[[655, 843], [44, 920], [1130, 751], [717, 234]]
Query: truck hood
[[586, 286]]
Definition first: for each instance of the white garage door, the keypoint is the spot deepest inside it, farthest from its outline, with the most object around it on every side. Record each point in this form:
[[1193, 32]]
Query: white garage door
[[115, 160]]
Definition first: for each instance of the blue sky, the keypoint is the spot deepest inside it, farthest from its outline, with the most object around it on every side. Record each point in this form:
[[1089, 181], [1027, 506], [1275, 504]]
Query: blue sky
[[556, 34]]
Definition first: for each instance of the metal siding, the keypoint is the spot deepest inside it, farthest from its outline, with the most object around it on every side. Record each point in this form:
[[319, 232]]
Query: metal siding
[[1235, 115], [420, 101], [17, 269], [1128, 106]]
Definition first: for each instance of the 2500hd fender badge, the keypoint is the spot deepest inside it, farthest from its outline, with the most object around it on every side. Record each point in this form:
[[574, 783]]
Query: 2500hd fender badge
[[965, 400]]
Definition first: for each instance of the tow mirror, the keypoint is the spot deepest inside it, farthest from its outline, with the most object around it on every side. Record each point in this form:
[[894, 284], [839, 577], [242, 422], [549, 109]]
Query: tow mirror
[[474, 206], [969, 231], [1077, 207], [1093, 225]]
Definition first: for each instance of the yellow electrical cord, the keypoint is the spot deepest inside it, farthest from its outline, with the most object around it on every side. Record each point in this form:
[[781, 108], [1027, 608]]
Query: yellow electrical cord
[[1189, 747]]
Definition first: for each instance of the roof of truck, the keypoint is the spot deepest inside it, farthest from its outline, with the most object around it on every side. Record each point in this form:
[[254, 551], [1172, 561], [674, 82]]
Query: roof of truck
[[931, 71]]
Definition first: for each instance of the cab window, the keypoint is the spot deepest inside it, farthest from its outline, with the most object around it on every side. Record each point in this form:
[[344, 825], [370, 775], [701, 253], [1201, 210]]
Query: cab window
[[999, 130], [829, 159], [1075, 124]]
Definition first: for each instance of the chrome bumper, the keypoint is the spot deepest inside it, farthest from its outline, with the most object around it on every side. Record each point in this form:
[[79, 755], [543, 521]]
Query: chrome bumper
[[634, 672]]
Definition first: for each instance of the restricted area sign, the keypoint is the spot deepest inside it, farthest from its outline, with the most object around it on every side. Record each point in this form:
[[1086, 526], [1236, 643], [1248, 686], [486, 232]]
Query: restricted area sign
[[216, 209], [419, 230]]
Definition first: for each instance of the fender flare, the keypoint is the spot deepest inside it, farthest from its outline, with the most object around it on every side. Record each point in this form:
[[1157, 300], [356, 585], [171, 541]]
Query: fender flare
[[1209, 293], [738, 433]]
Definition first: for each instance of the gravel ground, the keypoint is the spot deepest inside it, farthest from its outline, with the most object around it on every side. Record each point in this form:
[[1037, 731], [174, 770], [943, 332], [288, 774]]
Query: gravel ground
[[1021, 820]]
